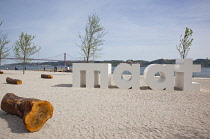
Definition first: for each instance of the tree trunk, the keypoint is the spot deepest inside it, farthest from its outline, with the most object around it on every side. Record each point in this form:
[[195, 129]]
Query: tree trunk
[[34, 112], [184, 53], [46, 76], [0, 62], [13, 81], [24, 65], [1, 72], [87, 60]]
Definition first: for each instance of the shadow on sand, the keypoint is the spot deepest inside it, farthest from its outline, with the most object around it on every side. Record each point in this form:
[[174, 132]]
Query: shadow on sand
[[63, 85], [15, 123], [110, 87]]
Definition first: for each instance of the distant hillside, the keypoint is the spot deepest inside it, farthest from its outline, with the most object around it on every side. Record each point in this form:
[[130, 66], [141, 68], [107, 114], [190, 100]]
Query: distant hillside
[[203, 62], [160, 61]]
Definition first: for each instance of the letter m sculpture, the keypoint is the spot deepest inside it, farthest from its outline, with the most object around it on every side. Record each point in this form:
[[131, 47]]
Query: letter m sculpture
[[92, 75]]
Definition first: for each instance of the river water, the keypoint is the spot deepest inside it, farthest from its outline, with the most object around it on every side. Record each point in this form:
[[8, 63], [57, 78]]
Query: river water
[[205, 72]]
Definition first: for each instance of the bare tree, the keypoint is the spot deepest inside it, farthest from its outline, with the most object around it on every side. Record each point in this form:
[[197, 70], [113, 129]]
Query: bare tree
[[4, 51], [92, 40], [24, 48], [185, 43]]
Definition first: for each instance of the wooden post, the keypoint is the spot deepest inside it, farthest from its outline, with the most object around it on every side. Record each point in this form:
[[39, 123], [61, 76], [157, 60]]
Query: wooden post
[[46, 76], [13, 81], [34, 112]]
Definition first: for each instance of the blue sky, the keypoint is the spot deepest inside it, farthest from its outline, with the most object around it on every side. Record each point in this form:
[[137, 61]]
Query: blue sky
[[137, 29]]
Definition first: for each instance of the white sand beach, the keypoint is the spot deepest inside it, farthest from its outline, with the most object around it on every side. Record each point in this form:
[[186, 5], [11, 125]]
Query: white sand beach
[[108, 113]]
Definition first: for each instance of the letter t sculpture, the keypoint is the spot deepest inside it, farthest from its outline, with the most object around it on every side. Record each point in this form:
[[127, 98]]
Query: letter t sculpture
[[183, 75]]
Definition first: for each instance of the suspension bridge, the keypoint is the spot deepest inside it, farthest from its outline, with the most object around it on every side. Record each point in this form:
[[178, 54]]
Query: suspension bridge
[[49, 59]]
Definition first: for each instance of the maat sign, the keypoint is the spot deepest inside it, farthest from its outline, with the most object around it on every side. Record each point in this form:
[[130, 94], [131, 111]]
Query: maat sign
[[99, 74]]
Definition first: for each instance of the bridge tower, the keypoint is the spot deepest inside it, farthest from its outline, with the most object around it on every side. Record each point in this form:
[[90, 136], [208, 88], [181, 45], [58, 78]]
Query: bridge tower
[[64, 59]]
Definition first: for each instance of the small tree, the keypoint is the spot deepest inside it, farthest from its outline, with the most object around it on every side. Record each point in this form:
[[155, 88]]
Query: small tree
[[4, 52], [92, 40], [185, 43], [24, 48]]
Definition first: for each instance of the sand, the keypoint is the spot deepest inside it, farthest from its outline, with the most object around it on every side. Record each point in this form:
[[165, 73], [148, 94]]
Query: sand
[[108, 113]]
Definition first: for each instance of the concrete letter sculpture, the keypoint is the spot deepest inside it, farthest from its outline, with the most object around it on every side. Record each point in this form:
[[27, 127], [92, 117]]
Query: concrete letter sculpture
[[183, 75], [91, 75], [126, 84], [166, 79]]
